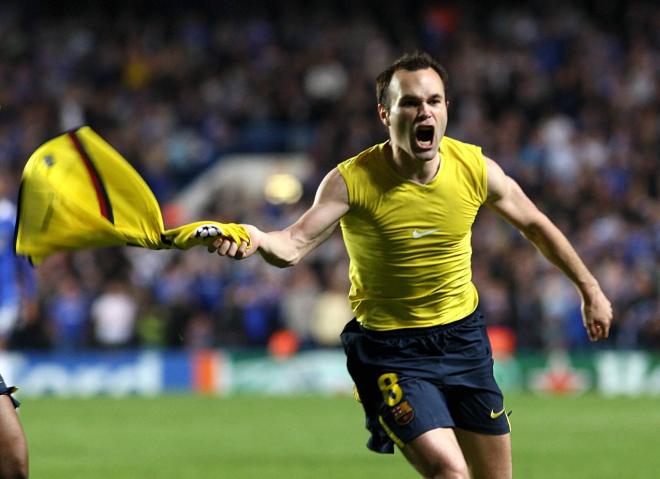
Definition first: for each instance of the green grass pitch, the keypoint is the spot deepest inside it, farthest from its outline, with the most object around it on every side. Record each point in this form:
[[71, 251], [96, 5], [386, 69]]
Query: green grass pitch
[[315, 437]]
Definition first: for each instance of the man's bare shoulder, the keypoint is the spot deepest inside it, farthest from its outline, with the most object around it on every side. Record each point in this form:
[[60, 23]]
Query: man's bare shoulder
[[333, 187]]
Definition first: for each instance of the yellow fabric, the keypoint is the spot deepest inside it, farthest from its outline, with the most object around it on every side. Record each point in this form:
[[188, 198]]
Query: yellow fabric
[[202, 233], [78, 192], [409, 244]]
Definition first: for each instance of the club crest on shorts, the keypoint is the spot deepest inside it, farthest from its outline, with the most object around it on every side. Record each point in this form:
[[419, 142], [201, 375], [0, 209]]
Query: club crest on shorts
[[403, 413]]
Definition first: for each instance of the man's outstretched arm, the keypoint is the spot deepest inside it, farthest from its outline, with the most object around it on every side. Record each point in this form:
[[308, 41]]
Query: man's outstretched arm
[[507, 199], [288, 246]]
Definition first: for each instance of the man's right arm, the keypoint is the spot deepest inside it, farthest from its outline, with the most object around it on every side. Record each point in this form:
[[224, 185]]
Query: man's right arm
[[290, 245]]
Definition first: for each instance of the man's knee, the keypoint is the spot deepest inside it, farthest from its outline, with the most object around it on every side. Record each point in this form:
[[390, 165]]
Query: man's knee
[[447, 470], [488, 456], [437, 455]]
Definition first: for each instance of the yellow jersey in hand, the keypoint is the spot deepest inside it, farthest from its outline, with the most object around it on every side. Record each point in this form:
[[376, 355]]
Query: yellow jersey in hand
[[78, 192], [409, 243]]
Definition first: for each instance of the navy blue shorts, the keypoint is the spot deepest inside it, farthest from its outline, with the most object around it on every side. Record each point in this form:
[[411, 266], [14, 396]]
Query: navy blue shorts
[[410, 381]]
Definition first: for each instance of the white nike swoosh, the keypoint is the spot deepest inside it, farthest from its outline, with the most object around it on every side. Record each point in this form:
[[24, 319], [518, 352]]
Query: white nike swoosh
[[420, 234]]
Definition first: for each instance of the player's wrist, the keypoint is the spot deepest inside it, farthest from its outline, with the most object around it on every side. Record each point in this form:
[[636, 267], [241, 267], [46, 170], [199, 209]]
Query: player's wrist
[[256, 235], [589, 289]]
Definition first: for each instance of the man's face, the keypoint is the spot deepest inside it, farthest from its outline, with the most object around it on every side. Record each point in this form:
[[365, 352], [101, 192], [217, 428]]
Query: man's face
[[417, 116]]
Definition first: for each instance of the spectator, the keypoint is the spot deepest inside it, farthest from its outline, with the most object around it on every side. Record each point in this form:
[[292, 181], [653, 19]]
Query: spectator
[[68, 312], [113, 315]]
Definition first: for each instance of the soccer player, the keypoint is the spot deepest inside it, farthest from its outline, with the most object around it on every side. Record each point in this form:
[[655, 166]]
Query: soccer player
[[13, 446], [417, 348]]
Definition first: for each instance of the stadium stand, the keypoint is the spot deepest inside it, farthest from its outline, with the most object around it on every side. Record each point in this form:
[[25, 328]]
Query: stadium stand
[[564, 97]]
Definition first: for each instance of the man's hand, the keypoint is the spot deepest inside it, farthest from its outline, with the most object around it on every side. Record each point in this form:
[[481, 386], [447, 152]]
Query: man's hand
[[226, 247], [596, 314]]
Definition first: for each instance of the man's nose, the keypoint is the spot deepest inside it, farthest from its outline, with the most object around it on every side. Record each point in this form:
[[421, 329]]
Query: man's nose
[[424, 110]]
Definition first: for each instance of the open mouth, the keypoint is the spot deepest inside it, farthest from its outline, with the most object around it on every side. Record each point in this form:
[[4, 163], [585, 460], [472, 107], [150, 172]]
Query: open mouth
[[424, 136]]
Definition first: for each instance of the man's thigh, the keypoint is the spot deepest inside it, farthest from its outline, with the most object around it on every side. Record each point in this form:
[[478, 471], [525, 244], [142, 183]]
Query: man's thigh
[[488, 456], [436, 453]]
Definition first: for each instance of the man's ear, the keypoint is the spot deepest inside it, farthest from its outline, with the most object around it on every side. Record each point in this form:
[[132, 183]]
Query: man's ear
[[384, 114]]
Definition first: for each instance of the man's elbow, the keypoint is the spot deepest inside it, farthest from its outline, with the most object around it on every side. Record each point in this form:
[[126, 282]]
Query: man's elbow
[[281, 262], [537, 229], [531, 231], [292, 261]]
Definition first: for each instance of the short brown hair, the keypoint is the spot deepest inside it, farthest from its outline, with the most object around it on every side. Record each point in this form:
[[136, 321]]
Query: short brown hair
[[410, 62]]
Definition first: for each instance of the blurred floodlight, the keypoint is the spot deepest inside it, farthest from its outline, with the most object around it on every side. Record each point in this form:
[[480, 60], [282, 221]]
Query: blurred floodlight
[[282, 188]]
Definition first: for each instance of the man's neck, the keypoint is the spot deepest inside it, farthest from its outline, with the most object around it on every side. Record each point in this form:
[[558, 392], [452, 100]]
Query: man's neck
[[410, 168]]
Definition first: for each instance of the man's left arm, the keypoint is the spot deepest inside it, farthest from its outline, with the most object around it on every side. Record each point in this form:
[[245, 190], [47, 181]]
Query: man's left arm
[[507, 199]]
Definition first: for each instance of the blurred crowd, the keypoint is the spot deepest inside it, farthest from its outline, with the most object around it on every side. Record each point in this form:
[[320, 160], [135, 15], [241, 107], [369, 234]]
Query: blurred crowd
[[564, 97]]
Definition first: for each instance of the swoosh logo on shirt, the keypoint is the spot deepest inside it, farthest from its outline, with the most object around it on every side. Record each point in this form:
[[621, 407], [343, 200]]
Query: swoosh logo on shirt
[[420, 234], [495, 415]]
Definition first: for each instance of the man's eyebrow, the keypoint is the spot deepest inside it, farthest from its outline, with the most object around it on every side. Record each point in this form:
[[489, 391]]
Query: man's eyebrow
[[410, 98], [435, 96]]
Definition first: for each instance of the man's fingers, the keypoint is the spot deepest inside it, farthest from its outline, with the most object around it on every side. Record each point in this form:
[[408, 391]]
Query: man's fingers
[[603, 330], [226, 247], [241, 250], [233, 248], [597, 331]]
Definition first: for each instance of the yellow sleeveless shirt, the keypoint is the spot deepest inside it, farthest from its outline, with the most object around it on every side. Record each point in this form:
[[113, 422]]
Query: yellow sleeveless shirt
[[409, 244]]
